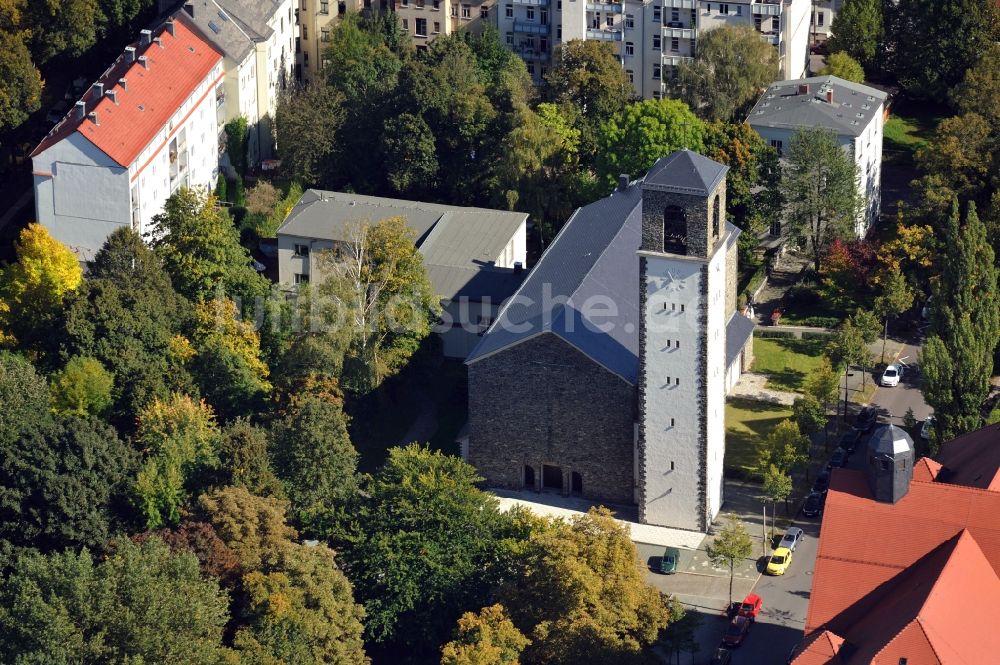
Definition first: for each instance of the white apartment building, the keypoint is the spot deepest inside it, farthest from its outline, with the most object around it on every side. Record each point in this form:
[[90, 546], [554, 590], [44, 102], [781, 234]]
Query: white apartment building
[[257, 38], [824, 11], [146, 127], [651, 37], [855, 112]]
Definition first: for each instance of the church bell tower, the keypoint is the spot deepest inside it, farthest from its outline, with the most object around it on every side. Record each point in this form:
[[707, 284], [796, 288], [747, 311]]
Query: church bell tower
[[684, 293]]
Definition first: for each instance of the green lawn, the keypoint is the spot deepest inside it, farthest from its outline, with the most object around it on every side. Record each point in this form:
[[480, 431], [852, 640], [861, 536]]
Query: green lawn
[[910, 125], [748, 422], [786, 362]]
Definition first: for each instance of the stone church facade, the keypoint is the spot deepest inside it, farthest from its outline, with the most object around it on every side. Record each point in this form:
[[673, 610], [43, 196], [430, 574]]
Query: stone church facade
[[605, 376]]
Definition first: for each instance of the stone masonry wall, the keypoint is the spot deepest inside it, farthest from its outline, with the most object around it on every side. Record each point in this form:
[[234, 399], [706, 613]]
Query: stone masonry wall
[[698, 211], [732, 267], [544, 402]]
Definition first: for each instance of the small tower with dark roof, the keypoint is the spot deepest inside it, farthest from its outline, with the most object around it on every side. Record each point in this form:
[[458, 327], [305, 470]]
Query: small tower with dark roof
[[890, 463]]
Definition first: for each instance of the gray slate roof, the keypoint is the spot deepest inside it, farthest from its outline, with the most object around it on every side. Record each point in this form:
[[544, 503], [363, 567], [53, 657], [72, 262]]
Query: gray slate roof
[[890, 440], [685, 172], [232, 25], [852, 108], [459, 245], [738, 331]]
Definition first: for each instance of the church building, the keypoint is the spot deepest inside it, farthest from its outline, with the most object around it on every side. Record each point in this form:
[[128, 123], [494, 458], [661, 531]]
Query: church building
[[605, 375]]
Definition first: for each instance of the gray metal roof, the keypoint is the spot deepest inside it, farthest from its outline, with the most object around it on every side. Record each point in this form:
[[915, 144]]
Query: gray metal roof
[[738, 331], [459, 245], [232, 25], [890, 440], [852, 108], [685, 172]]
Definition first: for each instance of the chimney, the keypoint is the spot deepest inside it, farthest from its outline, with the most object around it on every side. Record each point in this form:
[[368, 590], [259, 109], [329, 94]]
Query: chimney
[[622, 182], [130, 54], [803, 88], [81, 110], [170, 27], [93, 117], [829, 95], [518, 267], [113, 94], [98, 90], [189, 8], [159, 41], [144, 61], [124, 84], [145, 37]]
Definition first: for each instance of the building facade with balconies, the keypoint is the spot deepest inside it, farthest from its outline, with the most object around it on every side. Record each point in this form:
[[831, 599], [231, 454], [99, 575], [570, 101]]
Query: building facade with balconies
[[144, 129]]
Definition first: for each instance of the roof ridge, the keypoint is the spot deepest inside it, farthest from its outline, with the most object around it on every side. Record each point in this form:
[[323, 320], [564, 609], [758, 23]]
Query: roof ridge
[[861, 561]]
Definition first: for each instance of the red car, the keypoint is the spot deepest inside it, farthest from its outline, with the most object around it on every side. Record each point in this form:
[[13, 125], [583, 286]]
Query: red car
[[737, 631], [750, 607]]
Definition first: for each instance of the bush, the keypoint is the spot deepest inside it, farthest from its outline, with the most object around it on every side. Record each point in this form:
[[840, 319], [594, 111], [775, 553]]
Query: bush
[[221, 188], [804, 294], [239, 194], [818, 335], [819, 322], [775, 334]]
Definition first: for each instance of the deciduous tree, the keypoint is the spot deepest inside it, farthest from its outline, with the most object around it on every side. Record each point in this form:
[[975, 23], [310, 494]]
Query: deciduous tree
[[785, 448], [810, 414], [407, 145], [842, 65], [306, 124], [244, 460], [858, 31], [777, 487], [731, 546], [731, 67], [980, 88], [251, 526], [847, 348], [487, 637], [83, 387], [20, 81], [896, 298], [24, 395], [963, 154]]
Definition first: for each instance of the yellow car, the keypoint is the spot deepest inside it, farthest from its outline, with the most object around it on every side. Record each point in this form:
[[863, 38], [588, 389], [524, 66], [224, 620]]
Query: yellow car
[[780, 559]]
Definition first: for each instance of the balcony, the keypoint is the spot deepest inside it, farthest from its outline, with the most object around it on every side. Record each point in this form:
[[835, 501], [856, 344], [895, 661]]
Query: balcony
[[531, 55], [613, 34], [772, 38], [607, 7], [762, 9], [529, 28], [532, 3], [675, 60], [680, 4], [678, 33]]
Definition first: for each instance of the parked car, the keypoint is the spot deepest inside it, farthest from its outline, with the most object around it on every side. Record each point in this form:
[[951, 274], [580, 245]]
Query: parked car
[[849, 440], [890, 377], [750, 607], [822, 483], [839, 459], [792, 538], [813, 506], [737, 631], [866, 419], [668, 562], [779, 561], [721, 656], [925, 429]]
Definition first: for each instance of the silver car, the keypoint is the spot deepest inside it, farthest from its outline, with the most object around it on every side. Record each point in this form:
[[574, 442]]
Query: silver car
[[792, 538]]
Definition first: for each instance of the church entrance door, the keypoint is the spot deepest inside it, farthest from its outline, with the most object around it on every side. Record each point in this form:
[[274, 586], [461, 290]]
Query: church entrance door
[[577, 482], [529, 476], [552, 477]]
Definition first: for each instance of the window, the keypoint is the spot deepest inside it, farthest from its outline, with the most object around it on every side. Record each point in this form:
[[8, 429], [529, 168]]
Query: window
[[672, 421], [629, 21], [531, 68], [631, 75], [656, 93], [420, 27], [510, 39], [674, 231], [404, 3], [454, 10], [324, 35], [820, 19], [675, 15], [776, 144], [406, 24], [466, 11], [484, 12], [437, 27], [420, 4], [656, 14], [715, 217], [301, 278], [675, 45], [305, 33], [629, 48], [324, 7], [543, 45], [436, 5], [545, 17], [656, 72], [508, 11], [677, 381], [559, 31], [609, 20], [656, 42], [301, 250], [530, 13], [671, 465], [723, 9]]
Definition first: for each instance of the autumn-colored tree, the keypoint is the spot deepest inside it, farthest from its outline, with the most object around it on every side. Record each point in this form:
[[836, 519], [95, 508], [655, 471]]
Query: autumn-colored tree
[[251, 526], [963, 152], [911, 251], [82, 387], [20, 81], [848, 265], [977, 93], [487, 637], [199, 538], [179, 439], [753, 192]]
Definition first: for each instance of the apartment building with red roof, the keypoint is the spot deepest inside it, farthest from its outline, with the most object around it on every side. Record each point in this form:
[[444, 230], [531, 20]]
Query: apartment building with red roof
[[149, 125], [909, 575]]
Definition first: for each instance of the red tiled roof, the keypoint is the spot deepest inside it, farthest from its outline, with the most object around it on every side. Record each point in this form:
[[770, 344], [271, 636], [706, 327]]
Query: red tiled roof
[[972, 459], [926, 470], [820, 648], [152, 96]]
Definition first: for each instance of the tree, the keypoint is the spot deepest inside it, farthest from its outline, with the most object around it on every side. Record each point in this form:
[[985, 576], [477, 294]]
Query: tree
[[923, 31], [24, 395], [487, 637], [957, 358], [378, 288], [306, 124], [180, 439], [215, 558], [785, 448], [144, 604], [237, 136], [35, 286], [777, 487], [200, 249], [731, 546], [896, 298], [858, 31], [819, 184], [253, 527], [731, 67], [82, 388], [631, 141], [681, 632], [301, 611], [64, 485], [809, 414], [20, 82], [823, 383], [360, 66], [424, 548], [962, 154], [978, 91], [314, 458], [66, 28], [244, 460], [847, 348], [842, 65], [408, 148], [563, 598]]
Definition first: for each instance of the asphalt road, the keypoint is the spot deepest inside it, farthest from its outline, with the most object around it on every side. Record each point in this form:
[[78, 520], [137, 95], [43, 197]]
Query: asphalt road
[[896, 400]]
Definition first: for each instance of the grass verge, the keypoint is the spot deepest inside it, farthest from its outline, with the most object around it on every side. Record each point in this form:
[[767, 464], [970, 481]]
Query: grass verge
[[787, 362], [748, 422]]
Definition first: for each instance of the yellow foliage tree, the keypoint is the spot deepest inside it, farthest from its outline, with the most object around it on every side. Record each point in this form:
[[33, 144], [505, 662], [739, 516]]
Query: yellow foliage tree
[[486, 638]]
